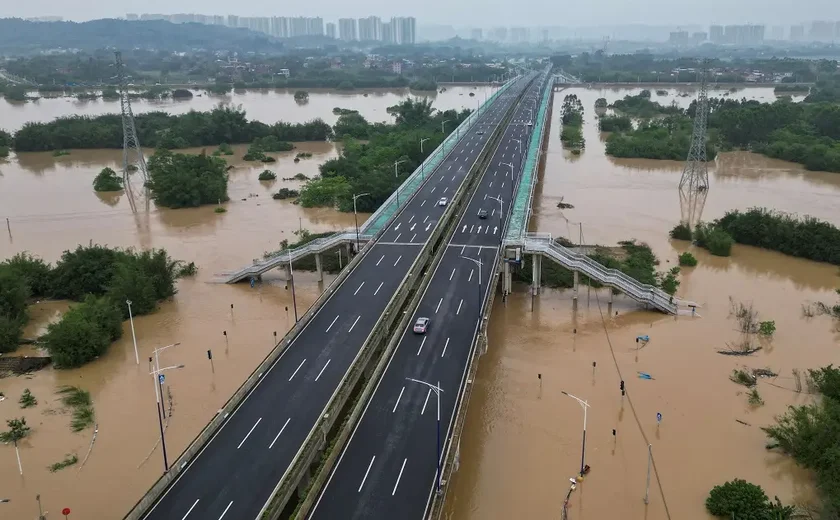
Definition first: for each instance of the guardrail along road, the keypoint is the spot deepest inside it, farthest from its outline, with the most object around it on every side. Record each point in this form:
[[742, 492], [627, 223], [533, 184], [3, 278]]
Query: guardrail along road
[[388, 468]]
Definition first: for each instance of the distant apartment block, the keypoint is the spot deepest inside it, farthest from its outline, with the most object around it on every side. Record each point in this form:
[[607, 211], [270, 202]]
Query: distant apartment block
[[821, 31], [797, 33], [476, 34], [330, 27], [347, 29], [716, 34], [777, 33], [499, 34], [736, 34], [370, 29], [678, 38]]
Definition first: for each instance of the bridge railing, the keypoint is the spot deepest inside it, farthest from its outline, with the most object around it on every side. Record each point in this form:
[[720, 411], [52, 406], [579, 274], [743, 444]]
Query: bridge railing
[[389, 207], [525, 187], [640, 292]]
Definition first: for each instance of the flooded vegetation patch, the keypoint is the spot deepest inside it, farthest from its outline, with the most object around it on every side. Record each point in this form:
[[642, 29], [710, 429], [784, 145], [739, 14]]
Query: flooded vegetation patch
[[79, 401], [69, 460]]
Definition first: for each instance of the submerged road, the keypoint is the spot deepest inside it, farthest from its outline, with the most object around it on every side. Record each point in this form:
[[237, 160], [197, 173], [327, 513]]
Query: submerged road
[[237, 470], [388, 468]]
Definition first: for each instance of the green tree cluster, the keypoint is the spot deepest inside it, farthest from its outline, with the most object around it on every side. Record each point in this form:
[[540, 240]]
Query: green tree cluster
[[615, 123], [742, 500], [803, 237], [223, 124], [183, 181], [687, 259], [107, 180], [423, 84], [572, 118], [640, 106], [667, 138], [369, 167], [714, 239], [811, 435], [5, 143]]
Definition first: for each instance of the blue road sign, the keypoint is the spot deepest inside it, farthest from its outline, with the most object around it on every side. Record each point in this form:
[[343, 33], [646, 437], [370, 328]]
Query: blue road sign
[[161, 378], [658, 417]]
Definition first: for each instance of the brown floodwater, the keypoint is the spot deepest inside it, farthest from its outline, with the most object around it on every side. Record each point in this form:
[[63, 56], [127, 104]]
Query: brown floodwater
[[266, 105], [522, 441], [520, 445]]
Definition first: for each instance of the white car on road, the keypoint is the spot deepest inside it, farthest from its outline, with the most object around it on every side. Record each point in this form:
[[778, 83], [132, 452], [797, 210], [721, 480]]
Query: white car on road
[[443, 201]]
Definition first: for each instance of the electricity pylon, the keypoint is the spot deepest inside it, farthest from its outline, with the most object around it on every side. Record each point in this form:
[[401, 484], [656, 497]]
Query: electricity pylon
[[133, 159], [694, 183]]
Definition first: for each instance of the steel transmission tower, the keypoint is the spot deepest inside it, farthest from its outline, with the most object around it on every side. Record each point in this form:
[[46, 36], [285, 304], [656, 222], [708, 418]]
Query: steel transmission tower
[[694, 183], [133, 159]]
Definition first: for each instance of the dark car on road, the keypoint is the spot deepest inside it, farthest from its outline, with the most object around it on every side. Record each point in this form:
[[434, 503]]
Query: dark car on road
[[482, 213]]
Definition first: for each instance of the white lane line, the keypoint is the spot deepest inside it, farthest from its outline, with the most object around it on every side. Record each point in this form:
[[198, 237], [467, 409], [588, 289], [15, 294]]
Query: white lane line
[[281, 429], [459, 306], [397, 227], [503, 185], [444, 189], [377, 289], [398, 238], [492, 212], [412, 218], [486, 229], [398, 400], [366, 474], [465, 246], [465, 229], [298, 368], [444, 348], [422, 203], [421, 345], [425, 219], [359, 289], [398, 261], [451, 275], [429, 225], [383, 257], [453, 178], [426, 402], [438, 305], [354, 323], [441, 178], [491, 185], [190, 510], [471, 228], [322, 370], [249, 434], [449, 168], [333, 323], [412, 238], [433, 189], [399, 477], [226, 510]]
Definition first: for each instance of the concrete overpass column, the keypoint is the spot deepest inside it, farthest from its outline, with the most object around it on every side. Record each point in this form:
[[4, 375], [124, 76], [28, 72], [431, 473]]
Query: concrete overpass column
[[535, 273], [349, 247], [288, 270], [319, 267], [576, 288], [539, 273], [506, 278]]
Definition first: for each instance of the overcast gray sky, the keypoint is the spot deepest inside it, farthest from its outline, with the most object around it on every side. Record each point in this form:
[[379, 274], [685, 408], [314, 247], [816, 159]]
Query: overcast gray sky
[[479, 13]]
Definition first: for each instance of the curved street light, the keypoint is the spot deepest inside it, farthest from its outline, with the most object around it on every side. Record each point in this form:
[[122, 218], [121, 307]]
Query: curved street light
[[356, 218], [437, 390], [585, 405]]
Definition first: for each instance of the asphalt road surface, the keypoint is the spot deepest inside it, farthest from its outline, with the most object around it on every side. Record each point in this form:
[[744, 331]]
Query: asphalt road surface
[[388, 469], [236, 472]]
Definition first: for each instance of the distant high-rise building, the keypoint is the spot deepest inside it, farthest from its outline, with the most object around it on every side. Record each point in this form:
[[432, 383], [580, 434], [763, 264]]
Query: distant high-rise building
[[370, 28], [545, 35], [821, 31], [476, 34], [678, 38], [330, 30], [347, 29], [387, 33], [132, 17], [499, 34], [232, 20], [797, 32], [403, 30], [716, 34], [837, 31], [699, 37], [777, 33]]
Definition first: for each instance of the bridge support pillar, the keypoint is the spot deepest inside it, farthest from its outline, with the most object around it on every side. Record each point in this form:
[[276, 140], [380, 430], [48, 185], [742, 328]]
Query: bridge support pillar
[[319, 267], [506, 278], [576, 289], [349, 248], [610, 302], [288, 270], [536, 274]]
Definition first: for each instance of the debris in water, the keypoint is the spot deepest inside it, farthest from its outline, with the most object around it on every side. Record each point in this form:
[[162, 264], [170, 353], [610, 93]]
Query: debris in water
[[644, 375]]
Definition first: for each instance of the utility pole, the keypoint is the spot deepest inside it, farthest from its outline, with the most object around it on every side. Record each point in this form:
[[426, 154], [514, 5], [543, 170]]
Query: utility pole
[[132, 153], [694, 183]]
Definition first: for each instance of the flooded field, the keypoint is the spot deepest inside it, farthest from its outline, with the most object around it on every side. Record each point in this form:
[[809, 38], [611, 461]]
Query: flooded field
[[522, 441]]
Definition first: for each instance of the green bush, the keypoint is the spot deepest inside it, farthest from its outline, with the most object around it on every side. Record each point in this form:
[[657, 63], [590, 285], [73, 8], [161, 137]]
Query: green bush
[[710, 237], [271, 143], [4, 152], [687, 259], [681, 232], [615, 123], [669, 281], [11, 332], [767, 328], [35, 272], [14, 293], [301, 95], [87, 270], [182, 181], [601, 103], [84, 333], [27, 400], [107, 180], [224, 149], [738, 499], [285, 193], [267, 175]]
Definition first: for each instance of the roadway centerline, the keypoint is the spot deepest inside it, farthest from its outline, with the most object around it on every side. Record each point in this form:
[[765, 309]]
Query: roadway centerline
[[333, 322], [397, 240], [359, 289], [444, 348], [425, 219], [226, 510], [366, 473], [190, 510], [354, 323], [412, 238], [438, 305], [377, 289], [451, 275], [278, 433], [398, 261], [398, 400], [322, 370], [421, 204], [249, 434], [298, 368], [426, 402], [399, 477], [459, 307], [383, 257]]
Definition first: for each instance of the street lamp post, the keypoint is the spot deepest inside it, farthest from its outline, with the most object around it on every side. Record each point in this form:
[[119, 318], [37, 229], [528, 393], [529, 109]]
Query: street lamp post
[[512, 179], [292, 282], [585, 406], [156, 353], [133, 336], [157, 377], [423, 163], [396, 175], [355, 218], [437, 390], [442, 125], [479, 264]]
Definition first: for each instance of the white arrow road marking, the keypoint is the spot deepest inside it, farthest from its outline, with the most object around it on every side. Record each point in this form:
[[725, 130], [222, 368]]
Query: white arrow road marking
[[495, 228], [397, 227]]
